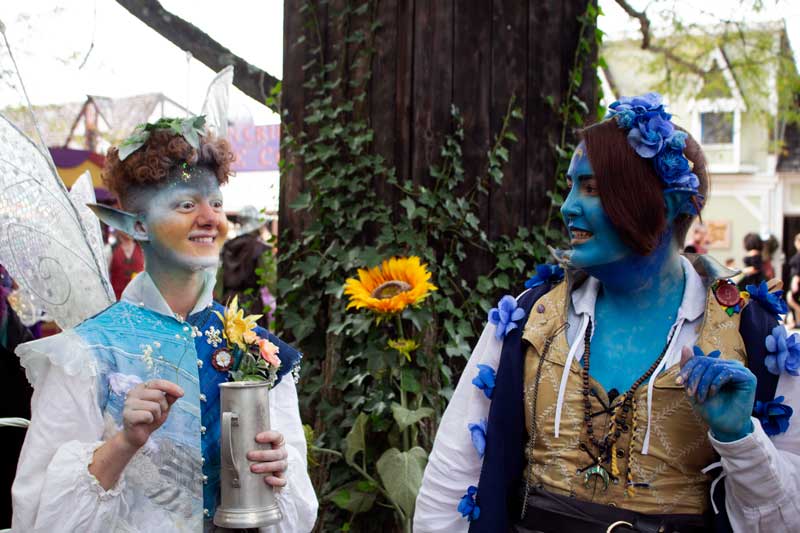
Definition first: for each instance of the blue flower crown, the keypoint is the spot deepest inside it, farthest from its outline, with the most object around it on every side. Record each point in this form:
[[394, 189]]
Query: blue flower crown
[[653, 136]]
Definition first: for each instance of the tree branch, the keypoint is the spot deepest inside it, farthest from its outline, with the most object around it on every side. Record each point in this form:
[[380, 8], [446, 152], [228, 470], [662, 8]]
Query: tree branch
[[647, 44], [250, 79]]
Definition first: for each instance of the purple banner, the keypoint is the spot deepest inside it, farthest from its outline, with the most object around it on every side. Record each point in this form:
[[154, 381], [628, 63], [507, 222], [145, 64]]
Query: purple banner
[[256, 147]]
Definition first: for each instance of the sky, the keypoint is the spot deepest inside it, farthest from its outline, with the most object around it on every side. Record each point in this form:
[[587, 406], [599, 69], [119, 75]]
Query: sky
[[68, 49]]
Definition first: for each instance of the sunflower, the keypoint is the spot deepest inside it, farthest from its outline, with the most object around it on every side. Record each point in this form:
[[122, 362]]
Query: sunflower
[[236, 325], [390, 288]]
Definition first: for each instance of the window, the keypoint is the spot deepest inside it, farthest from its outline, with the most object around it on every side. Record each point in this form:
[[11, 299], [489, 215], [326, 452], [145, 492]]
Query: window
[[716, 128]]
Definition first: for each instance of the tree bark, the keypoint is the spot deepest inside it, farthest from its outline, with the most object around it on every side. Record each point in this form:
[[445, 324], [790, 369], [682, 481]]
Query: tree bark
[[251, 80]]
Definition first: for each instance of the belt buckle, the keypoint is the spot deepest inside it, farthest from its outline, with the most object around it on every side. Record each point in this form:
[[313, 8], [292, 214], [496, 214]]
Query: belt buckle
[[618, 523]]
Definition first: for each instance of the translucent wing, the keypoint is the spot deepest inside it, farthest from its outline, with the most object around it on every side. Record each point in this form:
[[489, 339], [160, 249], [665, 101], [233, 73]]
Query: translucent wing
[[49, 244], [215, 108]]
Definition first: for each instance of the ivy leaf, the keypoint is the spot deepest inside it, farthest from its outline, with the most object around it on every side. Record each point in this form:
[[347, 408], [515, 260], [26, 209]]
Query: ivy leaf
[[409, 381], [355, 441], [405, 417], [401, 473], [303, 201], [352, 497], [408, 203]]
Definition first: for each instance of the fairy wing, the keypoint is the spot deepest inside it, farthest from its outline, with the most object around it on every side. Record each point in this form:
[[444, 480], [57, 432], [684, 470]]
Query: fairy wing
[[215, 107], [49, 240]]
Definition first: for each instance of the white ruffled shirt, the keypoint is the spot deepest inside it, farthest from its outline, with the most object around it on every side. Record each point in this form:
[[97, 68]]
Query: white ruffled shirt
[[54, 491], [762, 474]]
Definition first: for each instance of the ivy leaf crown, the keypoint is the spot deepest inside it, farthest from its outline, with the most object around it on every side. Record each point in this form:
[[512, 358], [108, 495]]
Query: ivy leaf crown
[[190, 128]]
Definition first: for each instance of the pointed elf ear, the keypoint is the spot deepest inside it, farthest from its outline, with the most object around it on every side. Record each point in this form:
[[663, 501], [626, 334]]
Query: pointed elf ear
[[121, 220], [679, 202]]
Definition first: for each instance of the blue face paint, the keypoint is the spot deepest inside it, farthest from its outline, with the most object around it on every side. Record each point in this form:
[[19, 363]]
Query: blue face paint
[[593, 237], [184, 220], [639, 294]]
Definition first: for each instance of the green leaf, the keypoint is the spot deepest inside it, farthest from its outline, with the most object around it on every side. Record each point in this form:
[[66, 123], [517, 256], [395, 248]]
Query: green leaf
[[410, 383], [302, 201], [405, 417], [401, 473], [355, 441], [354, 498]]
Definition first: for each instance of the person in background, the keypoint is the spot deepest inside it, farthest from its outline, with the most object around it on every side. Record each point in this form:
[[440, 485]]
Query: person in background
[[753, 263], [243, 262], [771, 246], [127, 260], [793, 294], [699, 240], [15, 398]]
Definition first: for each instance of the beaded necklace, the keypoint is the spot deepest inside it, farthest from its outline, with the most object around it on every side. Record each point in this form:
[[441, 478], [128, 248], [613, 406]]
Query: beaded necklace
[[606, 448]]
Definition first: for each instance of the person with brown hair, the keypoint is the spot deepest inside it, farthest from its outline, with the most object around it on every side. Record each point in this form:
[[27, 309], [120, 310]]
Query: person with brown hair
[[753, 261], [125, 428], [620, 381]]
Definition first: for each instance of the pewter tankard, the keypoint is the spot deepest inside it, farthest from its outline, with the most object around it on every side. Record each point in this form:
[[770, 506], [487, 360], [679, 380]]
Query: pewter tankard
[[247, 502]]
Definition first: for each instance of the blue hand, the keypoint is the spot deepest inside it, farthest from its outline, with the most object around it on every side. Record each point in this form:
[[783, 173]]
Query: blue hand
[[722, 392]]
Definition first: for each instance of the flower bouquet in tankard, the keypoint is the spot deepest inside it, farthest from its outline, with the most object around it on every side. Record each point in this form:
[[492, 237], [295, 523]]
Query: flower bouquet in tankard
[[257, 358], [252, 363]]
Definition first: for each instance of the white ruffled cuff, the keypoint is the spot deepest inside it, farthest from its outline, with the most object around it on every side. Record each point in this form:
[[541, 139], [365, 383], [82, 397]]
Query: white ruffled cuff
[[86, 458]]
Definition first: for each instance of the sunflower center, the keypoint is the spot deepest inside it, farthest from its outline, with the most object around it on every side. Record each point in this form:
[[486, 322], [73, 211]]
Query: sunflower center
[[389, 289]]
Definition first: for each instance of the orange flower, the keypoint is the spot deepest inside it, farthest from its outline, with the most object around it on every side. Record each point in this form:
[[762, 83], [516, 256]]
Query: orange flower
[[390, 288], [269, 352]]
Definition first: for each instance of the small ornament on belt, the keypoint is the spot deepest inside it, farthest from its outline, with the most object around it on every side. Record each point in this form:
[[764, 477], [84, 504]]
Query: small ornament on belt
[[728, 295], [222, 360], [599, 471]]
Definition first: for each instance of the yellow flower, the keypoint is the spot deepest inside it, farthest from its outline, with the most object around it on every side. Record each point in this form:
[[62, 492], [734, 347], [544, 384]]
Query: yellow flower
[[250, 337], [404, 346], [236, 325], [390, 288]]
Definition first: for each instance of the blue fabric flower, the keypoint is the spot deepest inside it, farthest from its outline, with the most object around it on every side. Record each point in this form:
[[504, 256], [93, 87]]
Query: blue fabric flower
[[485, 380], [686, 182], [671, 165], [467, 506], [639, 104], [625, 118], [653, 136], [677, 140], [477, 433], [504, 316], [774, 302], [648, 136], [784, 352], [545, 273], [773, 415]]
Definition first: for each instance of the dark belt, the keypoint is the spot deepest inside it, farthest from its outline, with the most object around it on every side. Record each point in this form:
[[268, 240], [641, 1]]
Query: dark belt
[[552, 513]]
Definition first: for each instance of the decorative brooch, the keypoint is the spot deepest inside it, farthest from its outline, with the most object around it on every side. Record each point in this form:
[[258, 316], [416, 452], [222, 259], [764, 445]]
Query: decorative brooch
[[729, 297], [222, 360]]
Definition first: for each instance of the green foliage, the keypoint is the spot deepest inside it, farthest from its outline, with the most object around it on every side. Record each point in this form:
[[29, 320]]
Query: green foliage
[[374, 410], [401, 473]]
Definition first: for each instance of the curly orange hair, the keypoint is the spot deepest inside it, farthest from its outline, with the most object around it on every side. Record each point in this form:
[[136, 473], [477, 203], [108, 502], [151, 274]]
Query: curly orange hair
[[163, 152]]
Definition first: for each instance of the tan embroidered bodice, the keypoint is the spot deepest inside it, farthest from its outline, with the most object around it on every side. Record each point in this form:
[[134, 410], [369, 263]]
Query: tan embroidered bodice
[[669, 479]]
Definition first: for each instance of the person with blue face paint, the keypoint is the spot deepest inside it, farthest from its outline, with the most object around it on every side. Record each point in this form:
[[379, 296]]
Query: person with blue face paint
[[627, 375], [125, 431]]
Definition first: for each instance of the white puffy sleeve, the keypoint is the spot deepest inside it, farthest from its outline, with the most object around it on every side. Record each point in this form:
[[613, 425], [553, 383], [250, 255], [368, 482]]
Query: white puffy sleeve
[[297, 500], [454, 463], [763, 473], [53, 490]]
